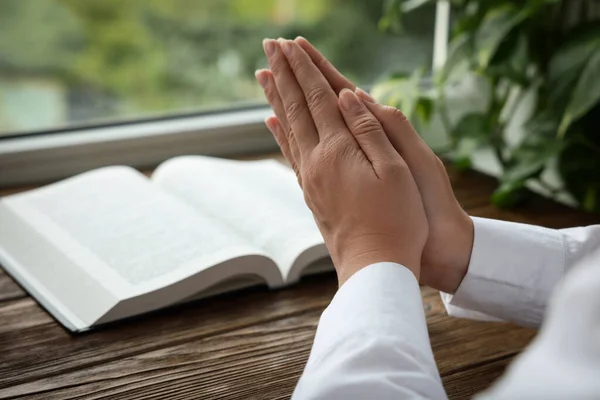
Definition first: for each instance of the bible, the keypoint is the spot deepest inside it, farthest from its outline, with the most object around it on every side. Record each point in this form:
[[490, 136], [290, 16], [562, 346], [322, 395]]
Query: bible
[[111, 243]]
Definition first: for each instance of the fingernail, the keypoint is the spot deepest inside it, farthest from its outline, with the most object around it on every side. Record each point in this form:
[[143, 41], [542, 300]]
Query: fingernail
[[269, 123], [269, 46], [300, 38], [262, 78], [286, 46], [349, 100], [364, 95]]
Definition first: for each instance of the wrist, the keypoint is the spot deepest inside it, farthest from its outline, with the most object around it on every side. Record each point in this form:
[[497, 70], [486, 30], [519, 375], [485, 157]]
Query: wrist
[[456, 265], [351, 256]]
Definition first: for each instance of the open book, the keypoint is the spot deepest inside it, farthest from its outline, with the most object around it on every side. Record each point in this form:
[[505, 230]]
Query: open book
[[111, 243]]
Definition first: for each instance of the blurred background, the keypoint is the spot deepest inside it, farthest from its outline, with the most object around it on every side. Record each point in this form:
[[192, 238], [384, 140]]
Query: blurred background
[[514, 90], [80, 62]]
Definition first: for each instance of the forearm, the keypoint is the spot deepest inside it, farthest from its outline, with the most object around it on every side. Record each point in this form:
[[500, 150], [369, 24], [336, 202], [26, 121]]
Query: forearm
[[372, 340]]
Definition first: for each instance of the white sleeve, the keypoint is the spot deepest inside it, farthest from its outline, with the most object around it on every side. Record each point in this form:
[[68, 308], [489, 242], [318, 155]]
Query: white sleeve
[[564, 360], [514, 269], [372, 341]]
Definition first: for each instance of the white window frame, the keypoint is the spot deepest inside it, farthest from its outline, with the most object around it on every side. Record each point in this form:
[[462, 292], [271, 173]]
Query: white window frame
[[50, 156], [37, 158]]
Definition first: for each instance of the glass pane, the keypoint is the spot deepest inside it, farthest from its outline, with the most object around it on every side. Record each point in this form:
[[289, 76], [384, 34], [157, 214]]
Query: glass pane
[[74, 62]]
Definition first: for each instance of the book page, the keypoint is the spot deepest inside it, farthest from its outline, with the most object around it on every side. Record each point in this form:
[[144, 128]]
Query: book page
[[259, 199], [127, 234]]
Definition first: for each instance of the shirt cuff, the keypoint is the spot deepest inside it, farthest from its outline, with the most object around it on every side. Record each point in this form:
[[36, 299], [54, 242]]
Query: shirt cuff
[[383, 299], [513, 270]]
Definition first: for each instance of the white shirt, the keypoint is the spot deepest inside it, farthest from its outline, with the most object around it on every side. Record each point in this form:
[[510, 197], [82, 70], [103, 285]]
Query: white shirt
[[372, 340]]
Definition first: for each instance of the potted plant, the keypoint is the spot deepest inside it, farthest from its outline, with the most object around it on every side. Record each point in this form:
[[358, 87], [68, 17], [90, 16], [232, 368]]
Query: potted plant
[[543, 55]]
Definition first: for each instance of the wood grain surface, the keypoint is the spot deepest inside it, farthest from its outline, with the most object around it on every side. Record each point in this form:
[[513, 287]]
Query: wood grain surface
[[251, 344]]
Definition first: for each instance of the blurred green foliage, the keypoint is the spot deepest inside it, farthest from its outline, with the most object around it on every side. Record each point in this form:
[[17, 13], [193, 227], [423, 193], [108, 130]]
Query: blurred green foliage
[[550, 48], [124, 58]]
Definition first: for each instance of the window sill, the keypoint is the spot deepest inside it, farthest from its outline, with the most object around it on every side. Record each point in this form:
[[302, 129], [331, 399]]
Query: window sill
[[42, 158]]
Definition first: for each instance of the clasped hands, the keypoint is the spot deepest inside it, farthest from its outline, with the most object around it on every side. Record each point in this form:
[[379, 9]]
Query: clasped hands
[[377, 191]]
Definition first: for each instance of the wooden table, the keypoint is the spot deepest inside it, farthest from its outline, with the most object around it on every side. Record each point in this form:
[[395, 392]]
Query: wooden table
[[247, 345]]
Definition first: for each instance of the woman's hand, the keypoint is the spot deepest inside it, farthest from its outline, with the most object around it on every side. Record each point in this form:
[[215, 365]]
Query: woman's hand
[[446, 255], [360, 190]]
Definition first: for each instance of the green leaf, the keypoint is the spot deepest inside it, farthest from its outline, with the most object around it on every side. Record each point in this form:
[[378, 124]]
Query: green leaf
[[543, 124], [386, 90], [399, 75], [512, 60], [566, 65], [425, 109], [457, 63], [462, 162], [473, 125], [590, 201], [586, 94], [497, 23], [508, 194], [529, 159], [391, 21], [578, 166], [410, 5], [572, 78], [539, 146], [402, 92], [468, 19], [464, 148]]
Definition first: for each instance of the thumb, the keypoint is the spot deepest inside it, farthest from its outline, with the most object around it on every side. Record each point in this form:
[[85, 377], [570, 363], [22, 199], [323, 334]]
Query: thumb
[[366, 129]]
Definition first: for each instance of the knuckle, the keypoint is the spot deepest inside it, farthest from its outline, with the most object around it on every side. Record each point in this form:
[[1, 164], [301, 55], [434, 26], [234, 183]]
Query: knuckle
[[346, 151], [298, 65], [276, 68], [328, 152], [323, 64], [291, 136], [295, 64], [316, 96], [395, 113], [336, 152], [365, 125], [272, 95], [430, 159], [293, 110], [294, 149], [310, 176], [439, 163], [296, 170], [332, 149], [394, 169]]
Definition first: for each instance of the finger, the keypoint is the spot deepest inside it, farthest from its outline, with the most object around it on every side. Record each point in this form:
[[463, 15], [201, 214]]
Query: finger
[[320, 97], [267, 81], [335, 78], [288, 149], [421, 160], [364, 95], [400, 132], [367, 130], [294, 103], [337, 81]]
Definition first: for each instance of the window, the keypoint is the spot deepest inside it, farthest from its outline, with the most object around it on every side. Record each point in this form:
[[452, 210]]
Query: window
[[90, 83], [66, 63]]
